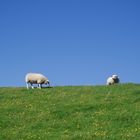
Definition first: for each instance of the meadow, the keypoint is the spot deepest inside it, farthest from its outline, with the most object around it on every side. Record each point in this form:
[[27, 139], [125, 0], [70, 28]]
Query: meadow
[[70, 113]]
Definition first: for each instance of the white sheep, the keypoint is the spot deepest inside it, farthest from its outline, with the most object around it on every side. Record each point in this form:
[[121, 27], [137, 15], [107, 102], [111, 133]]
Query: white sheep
[[114, 79], [36, 78]]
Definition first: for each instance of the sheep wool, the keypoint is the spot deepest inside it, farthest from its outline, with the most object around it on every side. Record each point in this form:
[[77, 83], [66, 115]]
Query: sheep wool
[[36, 78], [114, 79]]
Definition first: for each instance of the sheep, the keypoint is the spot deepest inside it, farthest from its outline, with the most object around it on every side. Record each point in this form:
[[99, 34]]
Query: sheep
[[114, 79], [36, 78]]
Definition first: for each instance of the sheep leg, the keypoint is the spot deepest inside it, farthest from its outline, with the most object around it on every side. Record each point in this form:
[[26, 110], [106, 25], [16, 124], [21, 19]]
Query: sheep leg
[[39, 86], [27, 85], [49, 84], [32, 86]]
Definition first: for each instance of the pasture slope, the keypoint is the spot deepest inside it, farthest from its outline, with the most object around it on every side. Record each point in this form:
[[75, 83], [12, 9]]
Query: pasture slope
[[71, 113]]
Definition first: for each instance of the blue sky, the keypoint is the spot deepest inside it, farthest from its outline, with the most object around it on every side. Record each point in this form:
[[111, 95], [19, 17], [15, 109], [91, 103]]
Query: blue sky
[[72, 42]]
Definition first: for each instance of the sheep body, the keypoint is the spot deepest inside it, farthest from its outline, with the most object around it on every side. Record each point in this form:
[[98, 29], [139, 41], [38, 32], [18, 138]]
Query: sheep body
[[114, 79], [36, 78]]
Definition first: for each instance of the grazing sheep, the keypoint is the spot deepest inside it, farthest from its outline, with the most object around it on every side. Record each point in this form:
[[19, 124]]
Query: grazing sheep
[[36, 78], [114, 79]]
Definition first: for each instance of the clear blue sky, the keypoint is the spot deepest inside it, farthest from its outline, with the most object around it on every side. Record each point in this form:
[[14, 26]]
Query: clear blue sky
[[72, 42]]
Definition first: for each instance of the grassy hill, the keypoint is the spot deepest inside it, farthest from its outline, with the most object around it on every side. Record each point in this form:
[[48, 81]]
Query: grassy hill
[[71, 113]]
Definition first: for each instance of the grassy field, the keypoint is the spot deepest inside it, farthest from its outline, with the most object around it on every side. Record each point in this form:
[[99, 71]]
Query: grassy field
[[71, 113]]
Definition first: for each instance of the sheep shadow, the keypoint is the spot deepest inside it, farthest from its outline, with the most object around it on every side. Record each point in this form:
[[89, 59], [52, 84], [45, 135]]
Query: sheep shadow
[[47, 87]]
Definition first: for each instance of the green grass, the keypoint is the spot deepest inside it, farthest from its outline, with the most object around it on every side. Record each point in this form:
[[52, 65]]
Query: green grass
[[71, 113]]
